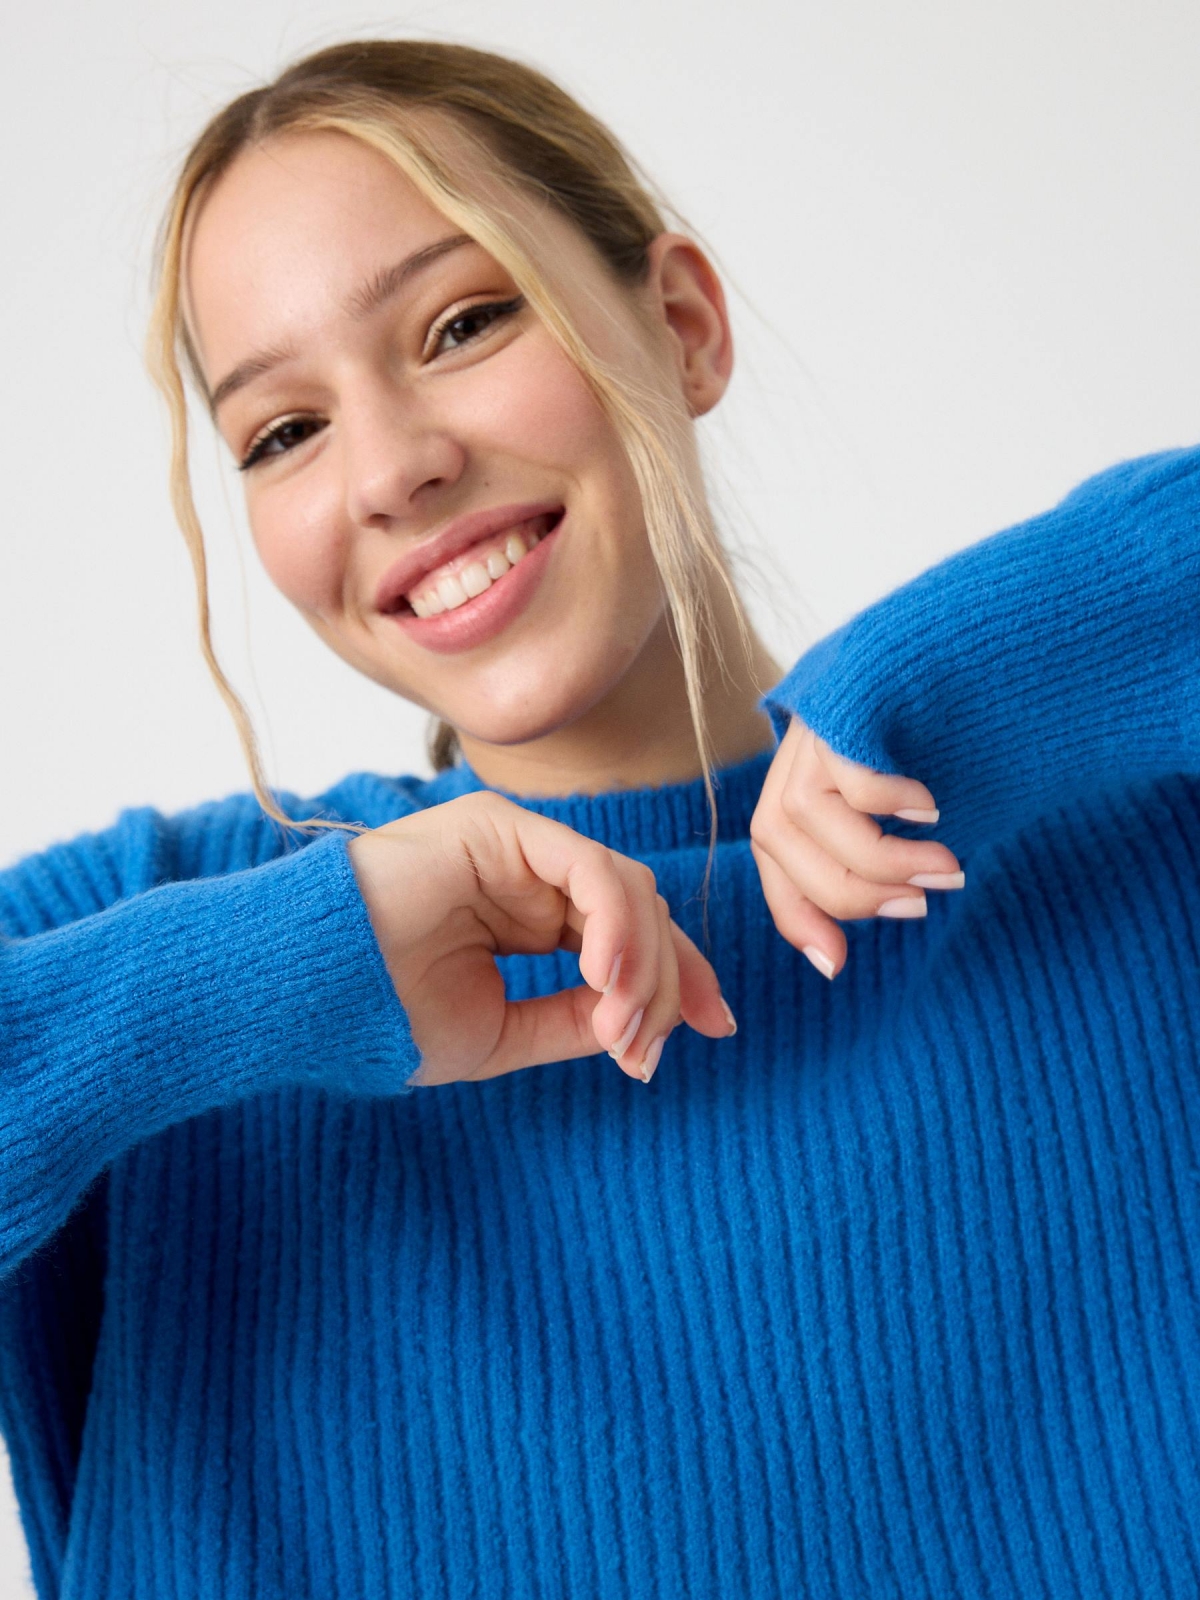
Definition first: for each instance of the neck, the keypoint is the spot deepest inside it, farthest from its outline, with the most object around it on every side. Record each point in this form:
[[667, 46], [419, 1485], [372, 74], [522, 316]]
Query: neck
[[640, 735]]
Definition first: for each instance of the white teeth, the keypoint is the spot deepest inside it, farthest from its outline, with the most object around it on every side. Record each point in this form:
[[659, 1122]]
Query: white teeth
[[455, 589], [475, 579], [451, 593]]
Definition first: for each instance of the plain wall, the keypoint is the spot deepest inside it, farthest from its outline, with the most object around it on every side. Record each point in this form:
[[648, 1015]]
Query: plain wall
[[961, 243]]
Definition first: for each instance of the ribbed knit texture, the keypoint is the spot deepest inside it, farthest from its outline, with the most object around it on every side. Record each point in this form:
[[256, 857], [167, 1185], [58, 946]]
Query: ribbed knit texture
[[894, 1294]]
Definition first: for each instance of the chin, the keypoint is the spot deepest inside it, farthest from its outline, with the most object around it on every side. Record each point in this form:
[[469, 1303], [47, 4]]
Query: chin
[[525, 719], [513, 730]]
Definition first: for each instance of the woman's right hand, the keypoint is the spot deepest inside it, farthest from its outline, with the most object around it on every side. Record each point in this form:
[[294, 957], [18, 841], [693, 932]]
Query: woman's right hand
[[452, 887]]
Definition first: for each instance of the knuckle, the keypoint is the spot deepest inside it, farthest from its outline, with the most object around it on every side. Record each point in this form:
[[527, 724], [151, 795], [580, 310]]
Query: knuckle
[[486, 800], [598, 857], [488, 809], [794, 802], [644, 877], [609, 861], [857, 788], [844, 895], [761, 830]]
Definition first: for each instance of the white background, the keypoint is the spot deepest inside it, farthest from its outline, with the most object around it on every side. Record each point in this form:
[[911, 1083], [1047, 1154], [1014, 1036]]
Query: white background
[[961, 243]]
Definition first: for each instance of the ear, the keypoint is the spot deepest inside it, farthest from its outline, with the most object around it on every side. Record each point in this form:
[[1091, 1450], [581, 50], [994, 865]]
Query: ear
[[686, 293]]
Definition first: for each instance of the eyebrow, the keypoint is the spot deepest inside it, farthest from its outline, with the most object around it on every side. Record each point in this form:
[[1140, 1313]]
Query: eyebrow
[[385, 283]]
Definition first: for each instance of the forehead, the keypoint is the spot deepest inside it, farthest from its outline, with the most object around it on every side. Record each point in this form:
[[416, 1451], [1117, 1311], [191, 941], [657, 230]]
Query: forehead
[[287, 230]]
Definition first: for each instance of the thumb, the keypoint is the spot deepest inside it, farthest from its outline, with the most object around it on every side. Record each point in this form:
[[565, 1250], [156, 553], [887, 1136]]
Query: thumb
[[554, 1027]]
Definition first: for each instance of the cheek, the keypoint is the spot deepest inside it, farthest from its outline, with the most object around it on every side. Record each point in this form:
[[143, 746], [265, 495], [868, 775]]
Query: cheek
[[546, 412], [299, 548]]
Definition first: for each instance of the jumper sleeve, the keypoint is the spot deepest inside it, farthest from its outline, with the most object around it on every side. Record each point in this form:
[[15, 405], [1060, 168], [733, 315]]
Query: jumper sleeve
[[1056, 658], [161, 1004]]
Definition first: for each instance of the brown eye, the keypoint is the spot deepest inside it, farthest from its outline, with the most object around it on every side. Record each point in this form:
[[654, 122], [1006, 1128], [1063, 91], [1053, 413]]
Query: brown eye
[[487, 314], [288, 433]]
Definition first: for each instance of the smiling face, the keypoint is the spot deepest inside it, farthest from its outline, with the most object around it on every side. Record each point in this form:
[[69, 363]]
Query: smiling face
[[381, 412]]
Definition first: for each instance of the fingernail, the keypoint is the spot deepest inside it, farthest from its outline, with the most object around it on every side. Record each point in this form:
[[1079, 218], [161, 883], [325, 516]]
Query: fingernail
[[612, 977], [918, 816], [939, 880], [912, 905], [626, 1039], [729, 1017], [651, 1061], [819, 960]]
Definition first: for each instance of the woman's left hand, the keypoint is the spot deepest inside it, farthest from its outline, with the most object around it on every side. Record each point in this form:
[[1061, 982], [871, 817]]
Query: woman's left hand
[[821, 856]]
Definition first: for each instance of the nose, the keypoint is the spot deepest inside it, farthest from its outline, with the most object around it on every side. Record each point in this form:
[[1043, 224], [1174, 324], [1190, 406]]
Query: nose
[[392, 449]]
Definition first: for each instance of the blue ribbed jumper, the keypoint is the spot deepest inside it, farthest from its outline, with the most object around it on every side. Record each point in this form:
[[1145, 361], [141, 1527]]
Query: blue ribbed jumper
[[894, 1294]]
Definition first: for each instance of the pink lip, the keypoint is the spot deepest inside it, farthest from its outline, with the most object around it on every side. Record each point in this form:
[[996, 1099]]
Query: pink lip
[[484, 617], [456, 537]]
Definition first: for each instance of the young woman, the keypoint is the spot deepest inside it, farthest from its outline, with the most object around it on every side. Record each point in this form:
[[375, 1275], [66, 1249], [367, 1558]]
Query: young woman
[[308, 1289]]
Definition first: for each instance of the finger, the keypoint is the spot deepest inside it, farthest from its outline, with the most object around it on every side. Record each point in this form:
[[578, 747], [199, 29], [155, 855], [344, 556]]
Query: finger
[[620, 1015], [630, 970], [700, 998], [588, 875], [858, 842], [831, 886], [800, 922], [639, 1054], [780, 771], [880, 793]]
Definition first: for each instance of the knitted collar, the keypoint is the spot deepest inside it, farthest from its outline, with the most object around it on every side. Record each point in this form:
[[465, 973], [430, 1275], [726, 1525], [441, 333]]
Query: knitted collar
[[669, 816]]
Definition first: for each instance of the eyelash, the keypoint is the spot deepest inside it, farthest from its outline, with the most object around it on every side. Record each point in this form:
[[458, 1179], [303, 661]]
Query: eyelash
[[496, 308]]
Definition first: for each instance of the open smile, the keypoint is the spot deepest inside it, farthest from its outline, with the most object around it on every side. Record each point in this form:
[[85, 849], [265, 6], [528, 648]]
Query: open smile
[[471, 598]]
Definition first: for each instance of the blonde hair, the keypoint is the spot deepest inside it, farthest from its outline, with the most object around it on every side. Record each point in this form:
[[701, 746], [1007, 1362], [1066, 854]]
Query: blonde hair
[[525, 130]]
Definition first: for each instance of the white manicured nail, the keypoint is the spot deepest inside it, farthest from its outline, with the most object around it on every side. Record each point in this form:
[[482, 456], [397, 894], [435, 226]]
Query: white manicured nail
[[651, 1061], [819, 960], [939, 880], [729, 1016], [626, 1039], [911, 906], [918, 816]]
